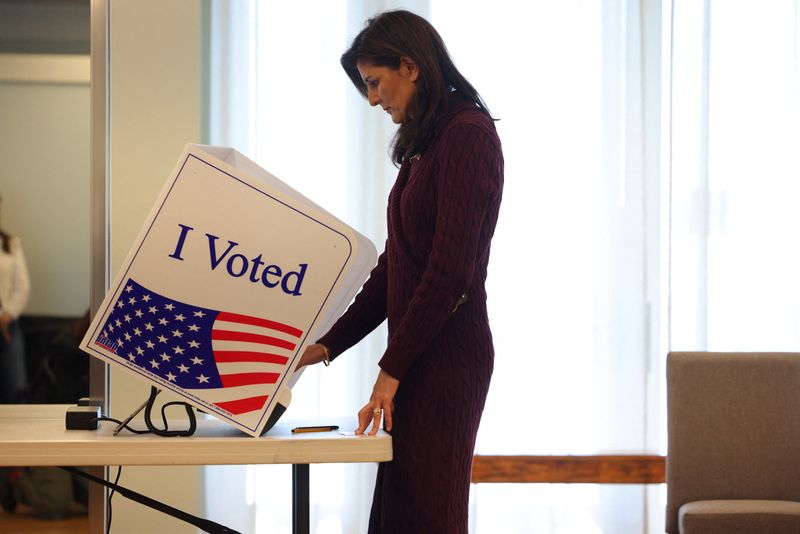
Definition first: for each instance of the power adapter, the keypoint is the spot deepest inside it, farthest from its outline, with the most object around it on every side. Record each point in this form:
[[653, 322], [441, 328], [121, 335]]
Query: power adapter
[[83, 417], [90, 401]]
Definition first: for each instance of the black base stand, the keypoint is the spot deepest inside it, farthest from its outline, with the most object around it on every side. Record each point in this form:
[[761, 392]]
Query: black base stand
[[204, 524]]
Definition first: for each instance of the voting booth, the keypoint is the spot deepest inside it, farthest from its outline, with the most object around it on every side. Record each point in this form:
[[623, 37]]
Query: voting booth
[[232, 275]]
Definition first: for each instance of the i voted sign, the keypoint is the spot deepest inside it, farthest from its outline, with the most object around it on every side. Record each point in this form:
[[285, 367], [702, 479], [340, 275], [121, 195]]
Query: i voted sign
[[231, 276], [238, 265]]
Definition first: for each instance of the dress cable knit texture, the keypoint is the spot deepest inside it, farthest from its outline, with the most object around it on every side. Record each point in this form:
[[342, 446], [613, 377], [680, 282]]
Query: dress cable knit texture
[[441, 216]]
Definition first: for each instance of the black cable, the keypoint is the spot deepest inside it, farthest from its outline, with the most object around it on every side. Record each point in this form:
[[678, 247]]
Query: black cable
[[164, 414], [108, 500], [151, 429], [165, 432], [126, 426]]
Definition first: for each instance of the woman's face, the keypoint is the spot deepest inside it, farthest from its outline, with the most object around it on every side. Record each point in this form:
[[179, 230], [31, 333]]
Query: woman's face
[[392, 88]]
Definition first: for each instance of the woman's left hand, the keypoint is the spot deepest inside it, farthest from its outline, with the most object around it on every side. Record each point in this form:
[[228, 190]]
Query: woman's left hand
[[382, 399]]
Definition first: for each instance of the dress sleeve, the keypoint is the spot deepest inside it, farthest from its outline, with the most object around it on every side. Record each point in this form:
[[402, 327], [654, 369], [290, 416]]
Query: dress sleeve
[[20, 282], [468, 183], [367, 311]]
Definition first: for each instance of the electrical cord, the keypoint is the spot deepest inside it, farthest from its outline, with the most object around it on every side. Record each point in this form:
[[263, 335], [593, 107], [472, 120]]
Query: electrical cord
[[108, 500], [151, 428], [208, 526], [166, 432], [126, 426]]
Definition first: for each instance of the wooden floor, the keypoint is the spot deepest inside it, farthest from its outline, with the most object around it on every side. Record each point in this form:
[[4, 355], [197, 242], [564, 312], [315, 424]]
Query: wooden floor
[[22, 521]]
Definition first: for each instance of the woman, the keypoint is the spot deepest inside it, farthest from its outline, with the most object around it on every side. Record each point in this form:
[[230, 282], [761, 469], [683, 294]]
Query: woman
[[14, 290], [429, 281]]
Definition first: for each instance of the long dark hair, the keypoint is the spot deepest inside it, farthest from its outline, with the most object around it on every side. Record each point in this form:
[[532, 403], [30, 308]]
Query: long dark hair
[[386, 39]]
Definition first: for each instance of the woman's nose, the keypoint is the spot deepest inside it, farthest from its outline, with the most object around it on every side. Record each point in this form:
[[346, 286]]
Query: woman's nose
[[372, 97]]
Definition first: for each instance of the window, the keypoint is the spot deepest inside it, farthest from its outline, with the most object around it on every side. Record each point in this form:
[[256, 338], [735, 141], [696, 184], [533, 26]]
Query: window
[[651, 172]]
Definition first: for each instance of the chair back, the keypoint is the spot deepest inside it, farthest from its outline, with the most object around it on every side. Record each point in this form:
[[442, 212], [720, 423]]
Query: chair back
[[733, 428]]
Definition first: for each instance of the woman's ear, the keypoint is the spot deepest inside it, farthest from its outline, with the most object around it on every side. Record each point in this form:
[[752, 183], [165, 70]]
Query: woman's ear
[[410, 66]]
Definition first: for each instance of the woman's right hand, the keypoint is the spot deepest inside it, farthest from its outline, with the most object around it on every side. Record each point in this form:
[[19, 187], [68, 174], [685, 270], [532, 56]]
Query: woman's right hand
[[313, 354]]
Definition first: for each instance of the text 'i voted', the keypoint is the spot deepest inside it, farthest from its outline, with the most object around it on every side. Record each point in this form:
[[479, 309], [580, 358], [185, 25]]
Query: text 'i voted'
[[238, 265]]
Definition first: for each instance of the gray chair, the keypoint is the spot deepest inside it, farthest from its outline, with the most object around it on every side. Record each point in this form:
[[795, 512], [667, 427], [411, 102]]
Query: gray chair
[[733, 462]]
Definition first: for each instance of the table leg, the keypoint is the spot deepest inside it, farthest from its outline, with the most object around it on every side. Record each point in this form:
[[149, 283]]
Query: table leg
[[300, 499]]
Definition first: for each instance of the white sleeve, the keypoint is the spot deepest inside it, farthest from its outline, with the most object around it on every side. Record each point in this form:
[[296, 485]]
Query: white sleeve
[[20, 282]]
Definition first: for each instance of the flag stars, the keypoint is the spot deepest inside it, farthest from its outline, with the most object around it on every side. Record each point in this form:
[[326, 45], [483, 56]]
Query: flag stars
[[161, 336]]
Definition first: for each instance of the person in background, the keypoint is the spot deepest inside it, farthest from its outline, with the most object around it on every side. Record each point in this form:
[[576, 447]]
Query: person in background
[[430, 280], [14, 292], [61, 378]]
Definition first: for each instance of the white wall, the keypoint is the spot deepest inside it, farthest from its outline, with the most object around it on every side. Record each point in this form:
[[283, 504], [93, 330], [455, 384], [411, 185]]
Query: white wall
[[44, 178], [155, 110]]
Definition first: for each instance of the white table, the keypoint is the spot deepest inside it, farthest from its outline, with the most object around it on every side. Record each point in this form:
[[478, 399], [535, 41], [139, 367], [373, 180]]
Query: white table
[[35, 435]]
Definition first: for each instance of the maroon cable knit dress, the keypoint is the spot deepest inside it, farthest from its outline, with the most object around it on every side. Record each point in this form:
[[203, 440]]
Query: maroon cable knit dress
[[429, 283]]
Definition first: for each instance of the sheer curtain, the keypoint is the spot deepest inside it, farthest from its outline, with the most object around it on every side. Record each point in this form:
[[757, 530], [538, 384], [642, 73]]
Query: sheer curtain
[[651, 172], [570, 292], [735, 175]]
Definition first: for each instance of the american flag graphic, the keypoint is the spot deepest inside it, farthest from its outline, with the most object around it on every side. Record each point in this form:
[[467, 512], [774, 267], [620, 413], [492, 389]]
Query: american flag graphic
[[228, 359]]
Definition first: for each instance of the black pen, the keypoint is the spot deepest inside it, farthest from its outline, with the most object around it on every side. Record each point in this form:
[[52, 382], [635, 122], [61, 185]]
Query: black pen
[[326, 428]]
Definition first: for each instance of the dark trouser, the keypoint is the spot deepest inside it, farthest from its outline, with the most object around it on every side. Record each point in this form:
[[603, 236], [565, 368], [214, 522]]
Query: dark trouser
[[13, 375]]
